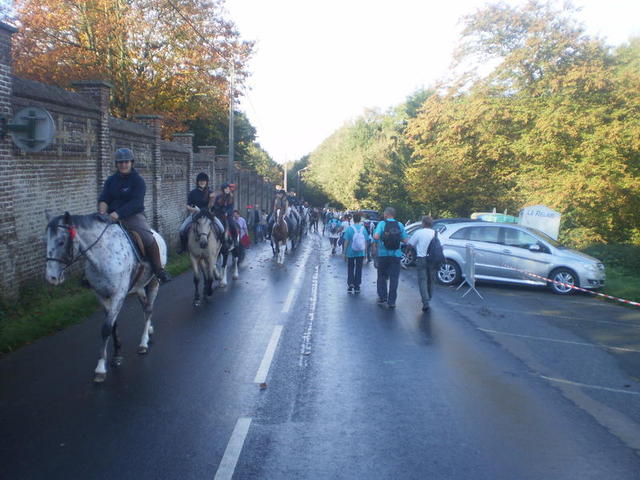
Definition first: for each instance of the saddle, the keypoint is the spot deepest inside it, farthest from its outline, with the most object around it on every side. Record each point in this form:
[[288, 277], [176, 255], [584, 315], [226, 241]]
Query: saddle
[[136, 243]]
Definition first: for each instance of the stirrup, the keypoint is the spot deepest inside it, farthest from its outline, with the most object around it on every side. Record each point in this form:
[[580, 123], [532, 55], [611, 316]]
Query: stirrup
[[163, 276]]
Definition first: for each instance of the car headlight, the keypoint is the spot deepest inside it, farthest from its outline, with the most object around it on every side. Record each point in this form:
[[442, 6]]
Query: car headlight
[[592, 267]]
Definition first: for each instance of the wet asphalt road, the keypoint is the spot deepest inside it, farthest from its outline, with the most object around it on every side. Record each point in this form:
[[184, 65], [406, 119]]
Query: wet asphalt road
[[521, 385]]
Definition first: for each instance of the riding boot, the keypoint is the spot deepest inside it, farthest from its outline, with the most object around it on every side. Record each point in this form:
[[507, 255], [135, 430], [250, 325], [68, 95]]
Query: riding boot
[[153, 253], [183, 242]]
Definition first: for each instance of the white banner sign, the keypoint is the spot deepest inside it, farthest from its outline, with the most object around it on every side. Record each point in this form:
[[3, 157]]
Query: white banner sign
[[541, 218]]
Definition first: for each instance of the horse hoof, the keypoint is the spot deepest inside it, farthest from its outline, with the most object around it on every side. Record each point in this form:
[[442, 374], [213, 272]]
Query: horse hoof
[[143, 350], [99, 377], [117, 361]]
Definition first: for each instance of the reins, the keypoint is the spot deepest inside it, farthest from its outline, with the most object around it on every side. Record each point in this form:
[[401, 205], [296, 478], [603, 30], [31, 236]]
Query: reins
[[72, 233]]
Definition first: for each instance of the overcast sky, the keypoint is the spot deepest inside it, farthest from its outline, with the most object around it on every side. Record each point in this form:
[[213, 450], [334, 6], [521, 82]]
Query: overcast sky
[[319, 64]]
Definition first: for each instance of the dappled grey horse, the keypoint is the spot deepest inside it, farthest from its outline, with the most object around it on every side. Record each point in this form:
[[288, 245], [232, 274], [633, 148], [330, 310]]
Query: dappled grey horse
[[111, 268], [204, 248]]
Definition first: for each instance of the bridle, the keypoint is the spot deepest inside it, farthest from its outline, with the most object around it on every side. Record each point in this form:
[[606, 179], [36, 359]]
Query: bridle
[[69, 257], [197, 230]]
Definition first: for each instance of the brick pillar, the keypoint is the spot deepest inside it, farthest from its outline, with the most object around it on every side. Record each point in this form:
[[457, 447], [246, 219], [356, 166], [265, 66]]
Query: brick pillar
[[9, 280], [209, 152], [186, 139], [154, 122], [100, 93], [221, 170]]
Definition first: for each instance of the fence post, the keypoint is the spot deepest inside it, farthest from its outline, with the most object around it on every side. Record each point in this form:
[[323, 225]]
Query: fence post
[[186, 139], [470, 271], [100, 92], [208, 152], [154, 122]]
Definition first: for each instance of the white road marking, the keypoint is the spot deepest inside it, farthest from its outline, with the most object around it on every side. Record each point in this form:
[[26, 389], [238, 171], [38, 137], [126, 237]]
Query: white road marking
[[583, 344], [296, 282], [586, 385], [289, 301], [263, 371], [549, 315], [231, 455], [305, 349]]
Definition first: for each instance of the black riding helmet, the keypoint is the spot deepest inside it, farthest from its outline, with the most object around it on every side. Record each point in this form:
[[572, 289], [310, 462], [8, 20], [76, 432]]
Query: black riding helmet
[[202, 177], [124, 155]]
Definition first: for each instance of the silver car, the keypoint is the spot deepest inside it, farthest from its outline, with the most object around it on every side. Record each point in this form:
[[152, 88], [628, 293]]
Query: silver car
[[515, 254]]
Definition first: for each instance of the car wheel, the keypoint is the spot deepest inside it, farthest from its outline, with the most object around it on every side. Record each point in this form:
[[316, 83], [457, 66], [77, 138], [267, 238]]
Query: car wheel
[[408, 256], [449, 273], [565, 277]]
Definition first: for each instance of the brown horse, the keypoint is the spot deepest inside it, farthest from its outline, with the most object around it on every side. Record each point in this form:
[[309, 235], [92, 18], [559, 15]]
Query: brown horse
[[279, 235]]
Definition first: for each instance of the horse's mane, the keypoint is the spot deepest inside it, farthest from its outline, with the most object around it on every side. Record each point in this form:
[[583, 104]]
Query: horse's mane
[[82, 221], [204, 213]]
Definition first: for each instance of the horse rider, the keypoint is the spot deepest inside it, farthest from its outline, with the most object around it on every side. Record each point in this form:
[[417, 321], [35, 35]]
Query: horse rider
[[123, 199], [223, 209], [280, 202], [198, 199]]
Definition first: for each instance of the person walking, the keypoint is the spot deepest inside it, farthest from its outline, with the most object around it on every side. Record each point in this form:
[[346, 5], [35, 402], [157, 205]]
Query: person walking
[[356, 238], [333, 225], [421, 240], [389, 234]]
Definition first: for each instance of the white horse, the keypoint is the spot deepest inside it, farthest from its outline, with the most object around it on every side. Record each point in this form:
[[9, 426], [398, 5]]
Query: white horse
[[112, 269], [204, 248]]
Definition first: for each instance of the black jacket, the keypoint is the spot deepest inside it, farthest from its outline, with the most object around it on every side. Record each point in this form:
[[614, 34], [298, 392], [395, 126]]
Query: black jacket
[[199, 198], [124, 194]]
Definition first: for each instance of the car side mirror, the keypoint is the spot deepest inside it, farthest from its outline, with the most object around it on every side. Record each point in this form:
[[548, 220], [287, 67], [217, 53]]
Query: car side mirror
[[535, 248]]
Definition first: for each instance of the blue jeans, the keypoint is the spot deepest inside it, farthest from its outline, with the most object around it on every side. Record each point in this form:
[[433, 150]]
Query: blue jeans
[[388, 270], [354, 271]]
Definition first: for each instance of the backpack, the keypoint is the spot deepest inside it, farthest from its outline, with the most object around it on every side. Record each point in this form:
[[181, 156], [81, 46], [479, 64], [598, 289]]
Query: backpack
[[435, 256], [391, 236], [358, 242]]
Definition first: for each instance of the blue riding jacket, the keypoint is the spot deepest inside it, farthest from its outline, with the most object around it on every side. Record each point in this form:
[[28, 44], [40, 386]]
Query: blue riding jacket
[[124, 194]]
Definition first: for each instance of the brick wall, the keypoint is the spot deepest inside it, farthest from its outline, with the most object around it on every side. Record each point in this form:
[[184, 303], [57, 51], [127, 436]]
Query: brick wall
[[8, 169], [69, 174], [174, 183]]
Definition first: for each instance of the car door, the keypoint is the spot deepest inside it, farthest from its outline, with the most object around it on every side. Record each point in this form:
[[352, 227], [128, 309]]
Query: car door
[[519, 258], [485, 240]]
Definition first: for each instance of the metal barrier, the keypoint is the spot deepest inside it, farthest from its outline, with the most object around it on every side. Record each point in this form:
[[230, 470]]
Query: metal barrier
[[470, 271]]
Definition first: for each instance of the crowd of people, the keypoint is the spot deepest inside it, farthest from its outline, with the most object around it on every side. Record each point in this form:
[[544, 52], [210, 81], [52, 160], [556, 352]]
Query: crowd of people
[[359, 237]]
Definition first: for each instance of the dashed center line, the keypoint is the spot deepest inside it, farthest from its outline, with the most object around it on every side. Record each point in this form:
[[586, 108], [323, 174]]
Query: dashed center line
[[231, 455], [296, 282], [263, 371]]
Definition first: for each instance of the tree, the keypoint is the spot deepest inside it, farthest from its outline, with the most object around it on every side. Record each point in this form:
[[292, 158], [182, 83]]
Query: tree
[[555, 122], [162, 56]]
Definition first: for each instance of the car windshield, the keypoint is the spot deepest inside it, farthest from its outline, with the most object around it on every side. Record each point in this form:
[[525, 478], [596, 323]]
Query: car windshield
[[545, 237]]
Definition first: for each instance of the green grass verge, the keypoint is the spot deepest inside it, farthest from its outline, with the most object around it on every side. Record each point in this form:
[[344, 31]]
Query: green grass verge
[[622, 284], [44, 309], [622, 264]]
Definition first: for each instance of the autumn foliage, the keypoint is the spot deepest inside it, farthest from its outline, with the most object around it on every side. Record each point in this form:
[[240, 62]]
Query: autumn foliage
[[556, 121], [161, 56]]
